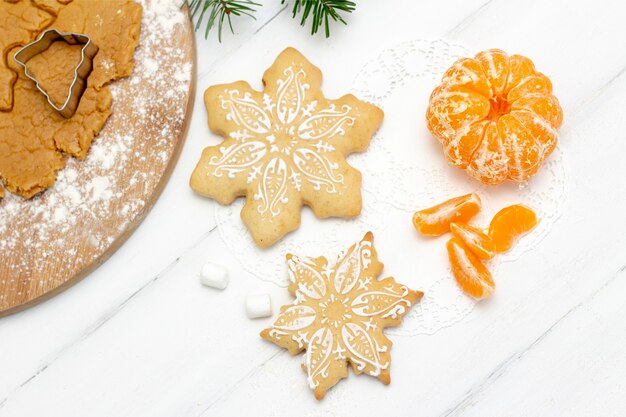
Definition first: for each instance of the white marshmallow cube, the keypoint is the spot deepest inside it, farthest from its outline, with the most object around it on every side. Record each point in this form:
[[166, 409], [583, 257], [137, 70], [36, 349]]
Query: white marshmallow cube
[[258, 305], [213, 275]]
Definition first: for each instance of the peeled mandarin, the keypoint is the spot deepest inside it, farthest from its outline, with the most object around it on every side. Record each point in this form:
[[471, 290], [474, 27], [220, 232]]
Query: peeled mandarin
[[495, 117], [435, 221]]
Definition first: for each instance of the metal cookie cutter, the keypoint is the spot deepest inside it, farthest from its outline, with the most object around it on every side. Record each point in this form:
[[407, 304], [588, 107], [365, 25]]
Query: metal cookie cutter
[[81, 72]]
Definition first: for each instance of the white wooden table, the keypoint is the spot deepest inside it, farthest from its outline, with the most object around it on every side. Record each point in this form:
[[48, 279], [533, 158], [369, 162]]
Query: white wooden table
[[141, 337]]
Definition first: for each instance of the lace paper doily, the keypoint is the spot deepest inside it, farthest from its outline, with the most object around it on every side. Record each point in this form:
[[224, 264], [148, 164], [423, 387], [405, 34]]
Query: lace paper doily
[[404, 170]]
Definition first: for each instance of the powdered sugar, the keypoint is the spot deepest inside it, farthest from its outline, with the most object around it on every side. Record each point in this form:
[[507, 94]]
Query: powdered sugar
[[65, 229]]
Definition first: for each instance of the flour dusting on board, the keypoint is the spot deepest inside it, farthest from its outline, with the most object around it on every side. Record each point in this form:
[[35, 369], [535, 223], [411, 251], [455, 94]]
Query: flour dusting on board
[[124, 160]]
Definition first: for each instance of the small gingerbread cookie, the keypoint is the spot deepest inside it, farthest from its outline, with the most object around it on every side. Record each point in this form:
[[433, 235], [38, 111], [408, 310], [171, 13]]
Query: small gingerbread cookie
[[284, 147], [339, 315]]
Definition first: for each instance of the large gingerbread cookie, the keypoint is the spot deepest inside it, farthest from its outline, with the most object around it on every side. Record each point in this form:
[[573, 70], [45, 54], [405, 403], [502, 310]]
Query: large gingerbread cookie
[[33, 136], [339, 315], [284, 147]]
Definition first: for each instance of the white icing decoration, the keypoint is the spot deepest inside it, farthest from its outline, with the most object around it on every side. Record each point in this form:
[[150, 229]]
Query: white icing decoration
[[393, 304], [246, 112], [273, 187], [238, 158], [318, 356], [293, 127], [310, 282], [295, 318], [339, 312], [364, 349], [317, 169], [290, 95], [325, 124], [349, 268]]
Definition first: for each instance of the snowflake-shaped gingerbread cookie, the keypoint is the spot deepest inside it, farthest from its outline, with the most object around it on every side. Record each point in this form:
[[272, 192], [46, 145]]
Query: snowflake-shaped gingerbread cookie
[[284, 147], [339, 315]]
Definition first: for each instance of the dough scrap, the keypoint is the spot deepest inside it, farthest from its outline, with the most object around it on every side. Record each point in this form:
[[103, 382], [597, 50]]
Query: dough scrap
[[54, 69], [51, 6], [113, 25]]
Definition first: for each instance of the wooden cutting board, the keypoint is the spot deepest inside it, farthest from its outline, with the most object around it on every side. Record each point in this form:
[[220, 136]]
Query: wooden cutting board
[[52, 241]]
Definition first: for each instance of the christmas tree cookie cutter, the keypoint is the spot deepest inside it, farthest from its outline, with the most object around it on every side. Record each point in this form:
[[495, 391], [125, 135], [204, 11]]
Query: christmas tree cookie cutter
[[81, 72]]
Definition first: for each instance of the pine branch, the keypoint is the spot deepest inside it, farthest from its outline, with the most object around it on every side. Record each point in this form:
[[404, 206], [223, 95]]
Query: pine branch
[[218, 11], [321, 11]]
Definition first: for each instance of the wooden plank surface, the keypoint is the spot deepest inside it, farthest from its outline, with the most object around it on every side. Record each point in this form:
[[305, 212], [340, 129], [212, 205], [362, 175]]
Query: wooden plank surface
[[141, 336]]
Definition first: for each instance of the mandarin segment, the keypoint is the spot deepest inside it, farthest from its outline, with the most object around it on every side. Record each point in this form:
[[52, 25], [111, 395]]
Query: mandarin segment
[[475, 239], [545, 107], [460, 149], [520, 68], [510, 224], [467, 73], [542, 131], [495, 116], [521, 148], [469, 272], [533, 84], [495, 63], [435, 221], [490, 163], [455, 110]]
